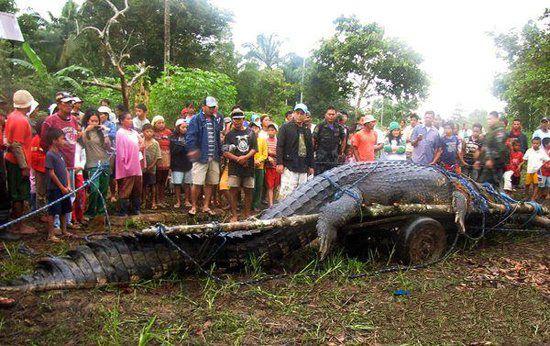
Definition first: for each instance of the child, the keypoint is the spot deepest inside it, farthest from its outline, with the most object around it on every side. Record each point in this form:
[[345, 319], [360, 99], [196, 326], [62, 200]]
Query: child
[[514, 165], [162, 136], [57, 183], [544, 173], [152, 158], [450, 155], [272, 178], [38, 159], [535, 157], [394, 147], [259, 161], [180, 164]]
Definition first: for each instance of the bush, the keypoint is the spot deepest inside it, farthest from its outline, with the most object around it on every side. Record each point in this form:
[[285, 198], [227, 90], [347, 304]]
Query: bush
[[179, 85], [93, 95]]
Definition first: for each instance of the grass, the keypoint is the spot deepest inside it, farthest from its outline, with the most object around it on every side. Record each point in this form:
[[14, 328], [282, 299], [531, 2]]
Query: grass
[[315, 303]]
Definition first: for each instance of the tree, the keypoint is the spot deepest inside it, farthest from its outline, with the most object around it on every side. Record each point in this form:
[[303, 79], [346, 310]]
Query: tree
[[526, 86], [178, 85], [364, 64], [117, 58], [386, 110], [266, 50]]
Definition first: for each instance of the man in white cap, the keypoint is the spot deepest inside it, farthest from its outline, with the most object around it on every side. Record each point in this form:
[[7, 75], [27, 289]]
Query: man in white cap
[[18, 134], [365, 142], [204, 149], [294, 152]]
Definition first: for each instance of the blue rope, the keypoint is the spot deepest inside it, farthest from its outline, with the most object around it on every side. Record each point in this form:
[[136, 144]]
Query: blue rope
[[341, 190], [102, 167]]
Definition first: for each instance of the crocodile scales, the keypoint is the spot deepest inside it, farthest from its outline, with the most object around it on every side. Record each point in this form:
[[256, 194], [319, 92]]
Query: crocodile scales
[[336, 196]]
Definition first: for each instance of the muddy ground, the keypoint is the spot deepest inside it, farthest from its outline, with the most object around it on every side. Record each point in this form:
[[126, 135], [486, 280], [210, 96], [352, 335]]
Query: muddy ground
[[495, 291]]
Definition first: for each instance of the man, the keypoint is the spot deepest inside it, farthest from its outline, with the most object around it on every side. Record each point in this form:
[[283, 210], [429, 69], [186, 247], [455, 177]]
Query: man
[[141, 117], [294, 152], [426, 141], [472, 150], [407, 133], [496, 154], [239, 147], [204, 148], [542, 132], [288, 116], [516, 132], [66, 122], [365, 143], [328, 142], [18, 135]]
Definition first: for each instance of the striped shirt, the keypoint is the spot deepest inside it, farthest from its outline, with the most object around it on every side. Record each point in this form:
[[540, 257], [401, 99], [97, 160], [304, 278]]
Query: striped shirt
[[211, 140]]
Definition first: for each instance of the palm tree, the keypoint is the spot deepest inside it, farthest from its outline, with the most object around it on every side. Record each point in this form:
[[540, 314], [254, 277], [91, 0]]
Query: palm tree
[[266, 50]]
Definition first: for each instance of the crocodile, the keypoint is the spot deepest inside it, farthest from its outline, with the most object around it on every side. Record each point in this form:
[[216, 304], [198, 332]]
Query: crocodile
[[337, 196]]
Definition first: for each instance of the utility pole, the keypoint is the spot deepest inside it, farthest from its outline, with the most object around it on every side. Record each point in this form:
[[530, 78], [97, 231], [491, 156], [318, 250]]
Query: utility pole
[[166, 34]]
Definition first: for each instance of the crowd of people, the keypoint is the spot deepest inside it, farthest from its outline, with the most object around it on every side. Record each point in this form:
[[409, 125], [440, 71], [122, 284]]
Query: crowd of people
[[212, 162]]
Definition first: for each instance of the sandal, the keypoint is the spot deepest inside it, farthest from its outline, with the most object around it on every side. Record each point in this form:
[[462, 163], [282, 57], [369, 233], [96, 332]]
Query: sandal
[[7, 302], [177, 205], [192, 212], [54, 239], [209, 212]]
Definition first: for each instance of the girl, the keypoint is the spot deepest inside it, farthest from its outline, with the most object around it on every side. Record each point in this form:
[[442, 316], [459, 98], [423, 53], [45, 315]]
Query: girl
[[180, 164], [96, 143], [394, 145], [162, 136]]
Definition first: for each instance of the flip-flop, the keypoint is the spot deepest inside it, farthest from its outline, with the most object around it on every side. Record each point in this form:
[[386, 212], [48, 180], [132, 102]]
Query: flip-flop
[[209, 212], [192, 212], [7, 302]]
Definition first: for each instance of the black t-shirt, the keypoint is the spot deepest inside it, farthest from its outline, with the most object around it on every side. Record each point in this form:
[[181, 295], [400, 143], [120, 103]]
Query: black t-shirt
[[239, 143], [55, 161]]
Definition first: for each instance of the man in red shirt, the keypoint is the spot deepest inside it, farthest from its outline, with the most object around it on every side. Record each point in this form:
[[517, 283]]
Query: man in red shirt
[[365, 142], [18, 135]]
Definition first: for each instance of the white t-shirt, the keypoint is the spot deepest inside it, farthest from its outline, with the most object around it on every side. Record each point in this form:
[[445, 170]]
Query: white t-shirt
[[535, 159], [138, 124], [541, 134]]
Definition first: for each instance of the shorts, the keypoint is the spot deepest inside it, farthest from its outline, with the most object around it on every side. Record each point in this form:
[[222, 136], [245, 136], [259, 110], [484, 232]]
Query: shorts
[[272, 178], [544, 181], [130, 187], [531, 178], [236, 181], [224, 180], [206, 173], [182, 177], [149, 179], [60, 208], [19, 186]]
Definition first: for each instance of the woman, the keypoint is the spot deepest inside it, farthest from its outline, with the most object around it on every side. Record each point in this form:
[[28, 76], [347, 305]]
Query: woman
[[394, 145], [265, 120], [129, 160], [162, 136], [96, 144]]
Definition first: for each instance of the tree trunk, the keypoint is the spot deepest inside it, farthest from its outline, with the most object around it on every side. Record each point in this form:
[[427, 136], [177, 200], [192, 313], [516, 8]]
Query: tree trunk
[[125, 92], [166, 34]]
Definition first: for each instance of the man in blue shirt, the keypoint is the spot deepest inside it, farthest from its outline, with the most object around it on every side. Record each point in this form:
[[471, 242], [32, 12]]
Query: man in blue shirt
[[426, 141], [204, 149]]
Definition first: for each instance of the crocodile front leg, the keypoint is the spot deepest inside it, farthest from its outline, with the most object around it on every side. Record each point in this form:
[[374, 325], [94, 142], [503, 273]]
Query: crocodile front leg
[[335, 215]]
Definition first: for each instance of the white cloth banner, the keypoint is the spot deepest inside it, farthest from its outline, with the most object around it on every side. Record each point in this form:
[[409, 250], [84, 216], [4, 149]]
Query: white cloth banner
[[9, 27]]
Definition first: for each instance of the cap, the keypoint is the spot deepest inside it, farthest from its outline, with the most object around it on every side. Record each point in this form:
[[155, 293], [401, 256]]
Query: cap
[[366, 119], [60, 94], [302, 107], [65, 97], [180, 121], [544, 120], [394, 126], [256, 123], [34, 105], [226, 120], [77, 99], [274, 126], [237, 113], [209, 101], [254, 117], [156, 119], [22, 99], [52, 108], [104, 109]]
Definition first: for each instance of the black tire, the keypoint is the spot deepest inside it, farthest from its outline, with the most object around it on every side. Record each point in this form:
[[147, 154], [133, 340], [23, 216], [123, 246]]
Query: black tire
[[421, 240]]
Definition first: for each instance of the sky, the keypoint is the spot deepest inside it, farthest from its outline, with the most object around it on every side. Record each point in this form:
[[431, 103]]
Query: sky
[[459, 57]]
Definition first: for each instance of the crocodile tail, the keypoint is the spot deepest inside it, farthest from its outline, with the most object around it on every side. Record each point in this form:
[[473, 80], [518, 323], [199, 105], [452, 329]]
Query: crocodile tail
[[111, 260]]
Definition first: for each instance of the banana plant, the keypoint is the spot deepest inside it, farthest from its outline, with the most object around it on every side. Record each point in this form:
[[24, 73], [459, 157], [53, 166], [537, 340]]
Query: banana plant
[[61, 77]]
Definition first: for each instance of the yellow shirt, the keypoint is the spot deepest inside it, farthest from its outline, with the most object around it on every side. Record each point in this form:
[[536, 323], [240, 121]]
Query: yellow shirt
[[261, 154]]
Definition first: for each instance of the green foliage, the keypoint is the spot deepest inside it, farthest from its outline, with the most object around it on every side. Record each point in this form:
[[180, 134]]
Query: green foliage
[[179, 85], [387, 110], [266, 50], [526, 86], [93, 95], [263, 90]]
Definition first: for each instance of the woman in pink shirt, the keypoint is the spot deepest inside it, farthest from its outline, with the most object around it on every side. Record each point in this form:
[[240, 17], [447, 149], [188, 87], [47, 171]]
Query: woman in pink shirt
[[129, 157]]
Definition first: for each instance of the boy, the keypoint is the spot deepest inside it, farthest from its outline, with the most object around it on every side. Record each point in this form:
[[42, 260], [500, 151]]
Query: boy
[[450, 154], [57, 183], [180, 164], [272, 178], [152, 157], [514, 165], [239, 148], [259, 161], [535, 157], [544, 176]]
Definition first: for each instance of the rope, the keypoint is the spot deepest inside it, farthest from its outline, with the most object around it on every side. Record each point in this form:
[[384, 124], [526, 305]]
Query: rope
[[102, 167]]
